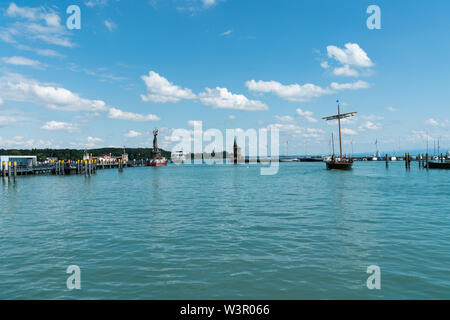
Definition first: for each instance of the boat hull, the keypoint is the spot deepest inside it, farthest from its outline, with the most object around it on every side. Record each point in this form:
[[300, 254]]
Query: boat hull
[[156, 163], [339, 165], [438, 165]]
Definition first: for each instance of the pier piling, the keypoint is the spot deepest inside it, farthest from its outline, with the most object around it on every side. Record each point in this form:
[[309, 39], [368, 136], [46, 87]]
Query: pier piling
[[4, 169], [9, 171], [15, 171], [387, 160]]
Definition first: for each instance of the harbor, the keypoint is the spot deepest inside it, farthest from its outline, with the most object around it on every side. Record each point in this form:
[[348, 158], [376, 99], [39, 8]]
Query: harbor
[[185, 230]]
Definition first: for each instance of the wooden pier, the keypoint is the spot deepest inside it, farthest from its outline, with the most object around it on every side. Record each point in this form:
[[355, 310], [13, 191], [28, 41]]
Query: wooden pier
[[82, 167]]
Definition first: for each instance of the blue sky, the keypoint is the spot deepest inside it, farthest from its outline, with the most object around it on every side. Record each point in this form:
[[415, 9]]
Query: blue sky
[[139, 65]]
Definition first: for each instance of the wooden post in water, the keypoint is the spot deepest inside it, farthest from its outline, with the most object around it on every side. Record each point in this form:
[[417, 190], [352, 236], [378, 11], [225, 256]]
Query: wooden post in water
[[386, 158], [4, 169], [9, 171], [15, 170], [442, 157], [428, 166]]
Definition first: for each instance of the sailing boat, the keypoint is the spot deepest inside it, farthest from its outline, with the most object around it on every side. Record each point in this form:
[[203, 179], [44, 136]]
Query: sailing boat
[[342, 163]]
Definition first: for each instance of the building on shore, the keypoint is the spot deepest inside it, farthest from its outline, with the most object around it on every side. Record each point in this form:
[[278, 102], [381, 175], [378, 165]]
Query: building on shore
[[21, 161]]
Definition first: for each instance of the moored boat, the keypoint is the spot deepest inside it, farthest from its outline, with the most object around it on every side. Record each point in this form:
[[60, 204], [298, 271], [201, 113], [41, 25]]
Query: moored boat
[[342, 163]]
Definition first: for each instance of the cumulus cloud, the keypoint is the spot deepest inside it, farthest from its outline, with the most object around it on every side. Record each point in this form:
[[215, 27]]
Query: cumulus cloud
[[15, 87], [59, 126], [132, 134], [221, 98], [348, 131], [292, 92], [325, 64], [301, 93], [369, 125], [307, 115], [360, 84], [1, 101], [345, 71], [351, 55], [21, 61], [159, 89], [115, 113]]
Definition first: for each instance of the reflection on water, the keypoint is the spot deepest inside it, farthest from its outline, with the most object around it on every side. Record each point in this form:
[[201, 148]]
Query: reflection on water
[[197, 231]]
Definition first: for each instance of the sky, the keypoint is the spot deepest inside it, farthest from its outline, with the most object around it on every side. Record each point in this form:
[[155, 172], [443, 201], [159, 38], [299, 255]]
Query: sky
[[134, 66]]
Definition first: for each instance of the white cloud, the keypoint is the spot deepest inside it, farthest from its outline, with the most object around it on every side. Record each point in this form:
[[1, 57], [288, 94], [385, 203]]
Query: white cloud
[[92, 142], [345, 71], [15, 87], [193, 123], [369, 125], [284, 118], [226, 33], [391, 109], [301, 93], [231, 117], [59, 126], [209, 3], [6, 120], [352, 55], [21, 61], [286, 127], [348, 131], [38, 23], [307, 115], [432, 122], [325, 64], [1, 101], [93, 3], [350, 86], [221, 98], [132, 134], [293, 92], [110, 25], [123, 115], [159, 89]]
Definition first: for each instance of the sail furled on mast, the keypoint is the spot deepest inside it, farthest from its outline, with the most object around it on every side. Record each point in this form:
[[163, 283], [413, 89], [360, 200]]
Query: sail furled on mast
[[341, 116]]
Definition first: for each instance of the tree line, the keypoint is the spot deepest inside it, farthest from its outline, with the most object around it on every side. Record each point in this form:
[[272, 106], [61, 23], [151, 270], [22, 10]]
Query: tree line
[[76, 154]]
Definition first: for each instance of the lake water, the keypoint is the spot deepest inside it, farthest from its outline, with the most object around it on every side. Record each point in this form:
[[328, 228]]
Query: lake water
[[224, 231]]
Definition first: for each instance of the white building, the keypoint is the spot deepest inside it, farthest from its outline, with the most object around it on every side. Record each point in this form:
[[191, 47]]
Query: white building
[[22, 161]]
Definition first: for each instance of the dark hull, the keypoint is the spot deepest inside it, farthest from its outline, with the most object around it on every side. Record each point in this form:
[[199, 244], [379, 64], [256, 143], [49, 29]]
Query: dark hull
[[339, 165], [439, 165], [310, 159]]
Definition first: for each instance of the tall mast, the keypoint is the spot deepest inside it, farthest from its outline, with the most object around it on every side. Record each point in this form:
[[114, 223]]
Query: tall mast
[[332, 141], [339, 121]]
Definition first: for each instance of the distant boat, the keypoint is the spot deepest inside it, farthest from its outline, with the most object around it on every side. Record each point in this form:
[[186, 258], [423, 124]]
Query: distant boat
[[439, 165], [157, 162], [341, 163], [178, 157], [393, 158]]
